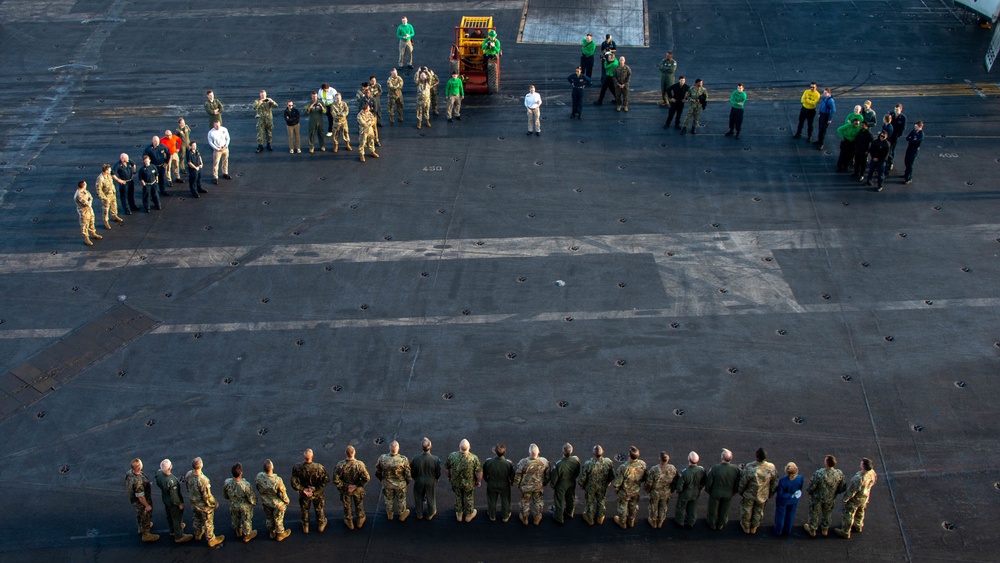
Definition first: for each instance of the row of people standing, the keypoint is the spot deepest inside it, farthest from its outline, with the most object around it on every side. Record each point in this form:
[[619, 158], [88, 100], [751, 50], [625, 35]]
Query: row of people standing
[[865, 141], [327, 101], [161, 167], [616, 78], [755, 483], [171, 156], [677, 95]]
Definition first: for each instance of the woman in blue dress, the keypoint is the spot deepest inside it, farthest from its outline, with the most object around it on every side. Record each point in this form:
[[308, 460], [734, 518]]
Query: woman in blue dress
[[787, 500]]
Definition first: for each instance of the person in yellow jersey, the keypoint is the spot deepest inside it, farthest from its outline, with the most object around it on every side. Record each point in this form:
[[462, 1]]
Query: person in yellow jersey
[[810, 99]]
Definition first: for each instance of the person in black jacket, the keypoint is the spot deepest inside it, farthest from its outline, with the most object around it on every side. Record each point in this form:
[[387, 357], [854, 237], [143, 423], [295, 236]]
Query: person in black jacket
[[123, 173], [861, 146], [292, 118], [675, 97], [878, 152], [913, 141], [160, 157], [898, 126]]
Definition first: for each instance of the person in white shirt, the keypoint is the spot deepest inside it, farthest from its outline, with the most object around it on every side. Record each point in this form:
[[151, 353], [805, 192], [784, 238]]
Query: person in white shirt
[[326, 95], [218, 139], [533, 101]]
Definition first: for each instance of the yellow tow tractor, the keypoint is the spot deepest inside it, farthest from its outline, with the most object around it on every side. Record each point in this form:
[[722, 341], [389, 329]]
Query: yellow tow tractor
[[475, 55]]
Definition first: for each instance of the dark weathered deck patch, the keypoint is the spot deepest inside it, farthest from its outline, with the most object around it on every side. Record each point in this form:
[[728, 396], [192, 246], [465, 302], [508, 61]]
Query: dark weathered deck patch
[[54, 366]]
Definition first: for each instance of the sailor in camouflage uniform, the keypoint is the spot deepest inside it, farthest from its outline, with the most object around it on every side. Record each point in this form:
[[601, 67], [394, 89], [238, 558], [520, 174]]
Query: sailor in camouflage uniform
[[140, 495], [423, 99], [350, 478], [203, 504], [564, 478], [173, 502], [105, 188], [433, 83], [309, 479], [85, 209], [595, 476], [375, 90], [659, 483], [274, 498], [464, 472], [826, 483], [856, 500], [241, 499], [758, 482], [366, 131], [264, 107], [393, 470], [340, 111], [395, 84], [628, 483], [531, 476], [689, 485], [365, 97]]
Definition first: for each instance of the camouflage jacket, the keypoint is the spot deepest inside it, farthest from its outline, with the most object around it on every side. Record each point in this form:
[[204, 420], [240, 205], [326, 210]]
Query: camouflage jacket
[[566, 472], [395, 86], [659, 481], [138, 486], [860, 487], [239, 492], [690, 482], [272, 490], [393, 471], [200, 491], [84, 201], [264, 109], [759, 481], [629, 476], [532, 474], [104, 185], [596, 474], [623, 74], [366, 121], [351, 472], [340, 110], [423, 90], [310, 474], [462, 469], [825, 485]]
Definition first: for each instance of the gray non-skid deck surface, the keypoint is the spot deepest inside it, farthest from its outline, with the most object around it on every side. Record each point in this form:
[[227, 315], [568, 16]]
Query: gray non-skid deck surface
[[568, 21], [714, 291]]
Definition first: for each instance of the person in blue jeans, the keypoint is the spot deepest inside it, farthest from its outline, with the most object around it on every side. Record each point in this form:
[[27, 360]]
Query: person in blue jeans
[[786, 500]]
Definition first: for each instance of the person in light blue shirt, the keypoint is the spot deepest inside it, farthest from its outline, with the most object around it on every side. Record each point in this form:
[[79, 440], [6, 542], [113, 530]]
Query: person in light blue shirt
[[827, 107]]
